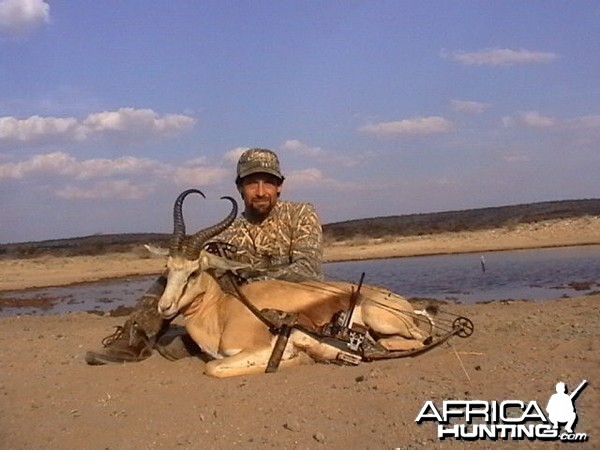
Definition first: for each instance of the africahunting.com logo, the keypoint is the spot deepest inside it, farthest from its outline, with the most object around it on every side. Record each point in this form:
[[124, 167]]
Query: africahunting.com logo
[[507, 420]]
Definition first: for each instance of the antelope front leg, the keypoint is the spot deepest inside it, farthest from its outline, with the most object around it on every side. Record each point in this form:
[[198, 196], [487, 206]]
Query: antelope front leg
[[248, 362]]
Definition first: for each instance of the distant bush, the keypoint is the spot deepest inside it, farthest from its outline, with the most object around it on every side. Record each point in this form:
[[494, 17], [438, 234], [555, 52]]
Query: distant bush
[[86, 245], [360, 231], [456, 221]]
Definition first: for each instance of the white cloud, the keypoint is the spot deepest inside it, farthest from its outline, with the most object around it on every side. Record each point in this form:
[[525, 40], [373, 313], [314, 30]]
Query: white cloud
[[533, 119], [502, 57], [585, 122], [125, 177], [21, 17], [323, 156], [469, 107], [233, 155], [111, 189], [126, 122], [314, 179], [200, 160], [150, 173], [305, 176], [301, 148], [131, 120], [56, 163], [60, 163], [419, 126], [199, 176], [96, 168], [38, 129]]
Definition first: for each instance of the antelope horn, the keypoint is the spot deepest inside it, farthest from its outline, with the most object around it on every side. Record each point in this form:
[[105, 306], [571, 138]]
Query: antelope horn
[[200, 238], [178, 222]]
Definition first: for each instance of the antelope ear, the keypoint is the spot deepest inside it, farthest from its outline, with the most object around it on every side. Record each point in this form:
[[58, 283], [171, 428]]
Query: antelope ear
[[156, 251], [211, 261], [204, 261]]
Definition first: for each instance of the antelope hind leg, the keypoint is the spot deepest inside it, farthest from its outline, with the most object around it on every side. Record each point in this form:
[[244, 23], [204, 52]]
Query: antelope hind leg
[[396, 343], [388, 321]]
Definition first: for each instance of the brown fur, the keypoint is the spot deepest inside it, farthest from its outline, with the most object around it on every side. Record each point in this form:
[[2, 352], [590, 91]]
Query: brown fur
[[241, 344]]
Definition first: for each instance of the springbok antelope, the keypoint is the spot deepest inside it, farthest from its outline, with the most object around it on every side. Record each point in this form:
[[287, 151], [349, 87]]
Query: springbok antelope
[[226, 329]]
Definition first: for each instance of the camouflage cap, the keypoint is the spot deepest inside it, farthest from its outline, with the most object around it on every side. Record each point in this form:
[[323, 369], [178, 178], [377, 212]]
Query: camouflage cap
[[258, 160]]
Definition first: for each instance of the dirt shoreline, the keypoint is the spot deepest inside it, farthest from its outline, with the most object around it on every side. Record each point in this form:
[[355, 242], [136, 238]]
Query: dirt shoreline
[[45, 271]]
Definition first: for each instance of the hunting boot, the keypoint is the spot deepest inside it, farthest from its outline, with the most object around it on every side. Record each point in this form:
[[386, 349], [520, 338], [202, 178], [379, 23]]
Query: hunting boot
[[127, 344], [176, 344], [134, 341]]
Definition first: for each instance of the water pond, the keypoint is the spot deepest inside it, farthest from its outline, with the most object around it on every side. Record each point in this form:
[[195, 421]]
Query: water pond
[[529, 274]]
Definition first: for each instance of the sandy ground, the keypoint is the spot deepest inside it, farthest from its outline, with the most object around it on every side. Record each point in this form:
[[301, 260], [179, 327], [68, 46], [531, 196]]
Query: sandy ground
[[51, 399]]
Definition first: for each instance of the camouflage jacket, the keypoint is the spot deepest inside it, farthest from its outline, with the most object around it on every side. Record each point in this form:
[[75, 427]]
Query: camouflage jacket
[[287, 245]]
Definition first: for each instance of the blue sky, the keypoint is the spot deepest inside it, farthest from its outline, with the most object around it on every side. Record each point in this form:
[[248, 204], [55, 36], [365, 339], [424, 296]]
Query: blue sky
[[109, 109]]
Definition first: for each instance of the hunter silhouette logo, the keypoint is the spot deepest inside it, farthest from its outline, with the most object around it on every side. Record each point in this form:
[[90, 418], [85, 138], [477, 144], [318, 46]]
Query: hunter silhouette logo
[[561, 408], [509, 419]]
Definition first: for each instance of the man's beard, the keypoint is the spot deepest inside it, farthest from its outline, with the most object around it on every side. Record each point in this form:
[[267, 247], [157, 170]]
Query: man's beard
[[259, 210]]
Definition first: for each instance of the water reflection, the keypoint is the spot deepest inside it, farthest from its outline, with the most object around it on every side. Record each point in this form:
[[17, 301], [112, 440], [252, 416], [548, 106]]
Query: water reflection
[[529, 274], [98, 296]]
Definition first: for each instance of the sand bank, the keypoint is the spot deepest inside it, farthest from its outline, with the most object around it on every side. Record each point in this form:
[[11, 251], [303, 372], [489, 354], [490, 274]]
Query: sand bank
[[46, 271]]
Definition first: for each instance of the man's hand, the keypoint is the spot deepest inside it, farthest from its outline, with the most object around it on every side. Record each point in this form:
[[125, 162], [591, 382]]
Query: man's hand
[[250, 273], [220, 248]]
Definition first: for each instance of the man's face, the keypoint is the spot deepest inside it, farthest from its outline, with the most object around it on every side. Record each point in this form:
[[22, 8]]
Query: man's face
[[260, 192]]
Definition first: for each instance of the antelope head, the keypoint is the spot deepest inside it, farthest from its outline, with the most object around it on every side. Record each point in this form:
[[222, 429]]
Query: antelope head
[[187, 262]]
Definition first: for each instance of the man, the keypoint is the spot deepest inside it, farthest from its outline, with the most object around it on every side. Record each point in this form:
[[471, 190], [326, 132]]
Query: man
[[560, 408], [279, 239]]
